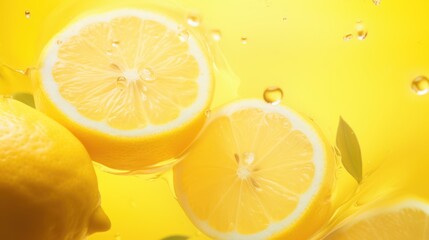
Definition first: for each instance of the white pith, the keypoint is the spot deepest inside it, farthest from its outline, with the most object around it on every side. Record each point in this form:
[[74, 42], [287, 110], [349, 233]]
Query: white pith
[[306, 199], [186, 114]]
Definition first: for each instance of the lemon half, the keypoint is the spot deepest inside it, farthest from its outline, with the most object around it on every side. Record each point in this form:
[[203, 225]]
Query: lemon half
[[257, 171], [132, 85], [408, 219]]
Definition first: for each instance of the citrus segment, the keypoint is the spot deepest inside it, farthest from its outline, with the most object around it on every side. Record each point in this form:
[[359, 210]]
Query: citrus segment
[[127, 74], [406, 220], [255, 171]]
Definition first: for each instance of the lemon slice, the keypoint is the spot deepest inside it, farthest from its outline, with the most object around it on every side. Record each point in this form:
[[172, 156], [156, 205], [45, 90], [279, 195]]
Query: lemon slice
[[256, 171], [406, 220], [133, 85]]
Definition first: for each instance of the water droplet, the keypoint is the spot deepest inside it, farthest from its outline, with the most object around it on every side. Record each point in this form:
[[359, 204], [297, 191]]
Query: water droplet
[[208, 113], [118, 236], [216, 35], [256, 185], [348, 37], [248, 157], [121, 82], [244, 40], [193, 20], [376, 2], [147, 74], [361, 32], [28, 14], [115, 43], [115, 67], [420, 85], [183, 35], [273, 95]]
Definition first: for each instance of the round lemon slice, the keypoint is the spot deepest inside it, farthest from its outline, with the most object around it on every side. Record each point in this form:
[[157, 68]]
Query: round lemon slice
[[132, 85], [406, 220], [257, 171]]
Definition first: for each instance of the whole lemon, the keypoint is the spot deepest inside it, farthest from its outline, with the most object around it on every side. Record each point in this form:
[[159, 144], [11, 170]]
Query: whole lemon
[[48, 187]]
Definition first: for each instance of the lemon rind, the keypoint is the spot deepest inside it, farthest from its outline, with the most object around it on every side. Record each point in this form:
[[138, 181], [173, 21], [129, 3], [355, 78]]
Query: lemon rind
[[187, 114], [307, 198]]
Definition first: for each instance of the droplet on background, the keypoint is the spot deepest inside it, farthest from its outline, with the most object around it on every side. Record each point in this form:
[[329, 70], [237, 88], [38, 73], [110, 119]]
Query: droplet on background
[[121, 82], [244, 40], [27, 14], [216, 35], [376, 2], [420, 85], [183, 35], [147, 74], [208, 112], [273, 95], [118, 236], [193, 20], [361, 32], [348, 37], [115, 43]]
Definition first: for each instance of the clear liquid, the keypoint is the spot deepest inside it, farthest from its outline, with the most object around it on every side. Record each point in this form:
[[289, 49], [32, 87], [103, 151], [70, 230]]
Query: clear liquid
[[368, 82]]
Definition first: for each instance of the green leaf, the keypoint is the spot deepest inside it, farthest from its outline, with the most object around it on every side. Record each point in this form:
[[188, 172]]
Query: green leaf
[[176, 237], [26, 98], [348, 145]]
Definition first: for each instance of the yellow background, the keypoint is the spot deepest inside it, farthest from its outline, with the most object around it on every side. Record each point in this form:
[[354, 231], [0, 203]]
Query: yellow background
[[298, 46]]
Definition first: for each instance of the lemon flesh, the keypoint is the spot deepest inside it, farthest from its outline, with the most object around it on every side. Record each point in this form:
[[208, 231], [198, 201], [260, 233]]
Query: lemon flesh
[[255, 171], [126, 82], [406, 220]]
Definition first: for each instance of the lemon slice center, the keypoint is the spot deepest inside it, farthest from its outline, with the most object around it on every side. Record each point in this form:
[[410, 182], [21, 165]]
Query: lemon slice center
[[245, 168]]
